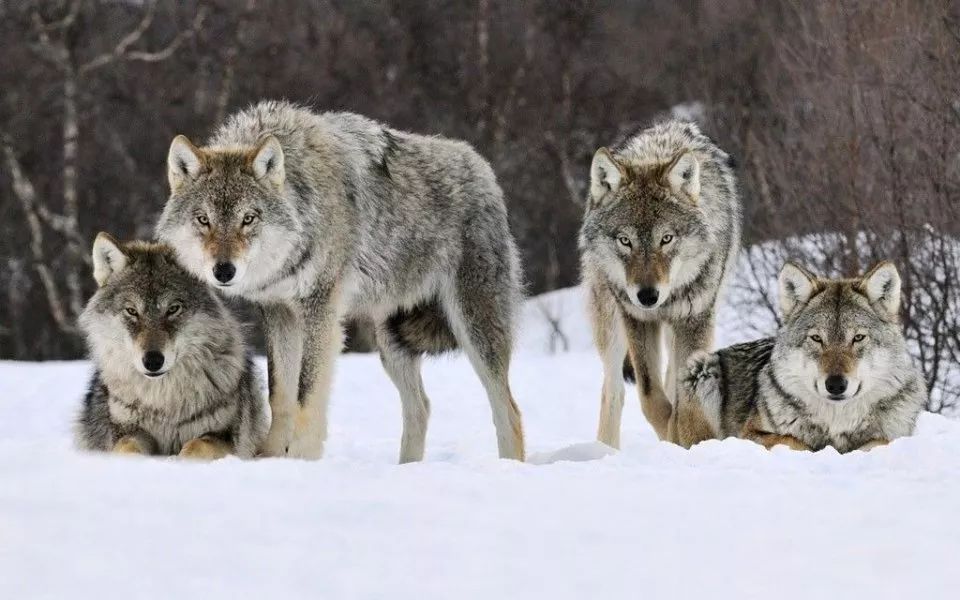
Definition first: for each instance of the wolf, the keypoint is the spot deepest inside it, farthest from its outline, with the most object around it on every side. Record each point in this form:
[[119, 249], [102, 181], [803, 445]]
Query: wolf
[[172, 374], [837, 373], [659, 239], [323, 217]]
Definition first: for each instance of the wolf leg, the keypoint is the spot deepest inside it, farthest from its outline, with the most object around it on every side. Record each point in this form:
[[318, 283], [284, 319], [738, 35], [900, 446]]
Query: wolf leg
[[481, 322], [283, 326], [686, 337], [403, 367], [205, 448], [135, 443], [873, 444], [611, 342], [322, 343], [643, 341]]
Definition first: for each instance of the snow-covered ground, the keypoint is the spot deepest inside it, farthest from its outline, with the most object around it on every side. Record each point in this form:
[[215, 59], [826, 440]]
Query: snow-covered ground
[[723, 520]]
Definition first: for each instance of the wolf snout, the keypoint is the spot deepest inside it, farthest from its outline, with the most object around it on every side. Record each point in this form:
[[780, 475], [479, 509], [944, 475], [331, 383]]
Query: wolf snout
[[224, 272], [153, 361], [836, 386], [648, 296]]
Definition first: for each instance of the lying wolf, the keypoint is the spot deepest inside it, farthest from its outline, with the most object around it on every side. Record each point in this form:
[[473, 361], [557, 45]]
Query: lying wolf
[[836, 374], [172, 372], [659, 238], [324, 217]]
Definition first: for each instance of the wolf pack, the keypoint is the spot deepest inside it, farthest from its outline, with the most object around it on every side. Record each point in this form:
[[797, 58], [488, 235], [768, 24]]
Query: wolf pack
[[320, 218]]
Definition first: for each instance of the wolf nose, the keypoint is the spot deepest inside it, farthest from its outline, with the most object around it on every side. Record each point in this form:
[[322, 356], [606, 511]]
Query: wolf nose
[[153, 361], [836, 384], [648, 296], [224, 271]]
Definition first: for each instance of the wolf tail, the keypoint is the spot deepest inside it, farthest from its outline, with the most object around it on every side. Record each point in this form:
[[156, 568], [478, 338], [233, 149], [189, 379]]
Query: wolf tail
[[422, 329]]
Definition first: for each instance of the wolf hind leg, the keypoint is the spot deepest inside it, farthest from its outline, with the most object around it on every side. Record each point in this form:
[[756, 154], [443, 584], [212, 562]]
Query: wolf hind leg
[[403, 367], [481, 321]]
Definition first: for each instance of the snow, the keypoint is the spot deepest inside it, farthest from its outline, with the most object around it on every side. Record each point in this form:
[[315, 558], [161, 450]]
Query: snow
[[579, 520]]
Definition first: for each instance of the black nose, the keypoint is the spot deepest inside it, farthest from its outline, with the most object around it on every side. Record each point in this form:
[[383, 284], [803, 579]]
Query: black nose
[[648, 296], [836, 384], [224, 271], [153, 361]]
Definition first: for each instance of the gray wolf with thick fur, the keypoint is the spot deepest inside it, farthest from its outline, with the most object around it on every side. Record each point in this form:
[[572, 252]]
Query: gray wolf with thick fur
[[322, 217], [836, 374], [659, 239], [172, 372]]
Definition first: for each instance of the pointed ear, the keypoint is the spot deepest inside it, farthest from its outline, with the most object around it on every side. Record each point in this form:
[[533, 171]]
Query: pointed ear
[[606, 176], [109, 258], [683, 175], [882, 286], [796, 286], [267, 161], [183, 162]]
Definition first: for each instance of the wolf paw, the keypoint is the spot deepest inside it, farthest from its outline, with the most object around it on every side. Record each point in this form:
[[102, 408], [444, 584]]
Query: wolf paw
[[204, 449], [130, 445]]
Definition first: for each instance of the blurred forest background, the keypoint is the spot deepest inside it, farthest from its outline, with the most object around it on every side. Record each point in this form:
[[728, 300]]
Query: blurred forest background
[[844, 117]]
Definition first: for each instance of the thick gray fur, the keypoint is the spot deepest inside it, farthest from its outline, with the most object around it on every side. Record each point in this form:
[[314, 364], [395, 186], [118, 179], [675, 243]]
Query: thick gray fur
[[211, 390], [359, 220]]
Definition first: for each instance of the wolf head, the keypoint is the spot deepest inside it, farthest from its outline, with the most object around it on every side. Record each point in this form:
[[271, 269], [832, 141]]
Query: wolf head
[[148, 314], [841, 338], [643, 227], [227, 216]]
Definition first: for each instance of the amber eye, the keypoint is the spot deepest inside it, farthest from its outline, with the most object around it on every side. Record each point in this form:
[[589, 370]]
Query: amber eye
[[203, 220], [816, 338], [624, 241], [666, 239], [249, 218], [859, 338], [131, 311], [173, 310]]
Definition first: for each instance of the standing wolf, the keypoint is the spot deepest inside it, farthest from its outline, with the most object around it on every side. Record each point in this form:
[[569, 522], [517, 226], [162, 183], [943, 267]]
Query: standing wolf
[[836, 374], [172, 372], [322, 217], [659, 238]]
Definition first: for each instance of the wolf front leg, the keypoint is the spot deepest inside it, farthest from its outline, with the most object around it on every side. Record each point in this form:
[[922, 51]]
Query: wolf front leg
[[283, 325], [873, 444], [136, 442], [691, 335], [322, 341], [611, 343], [643, 341], [206, 447]]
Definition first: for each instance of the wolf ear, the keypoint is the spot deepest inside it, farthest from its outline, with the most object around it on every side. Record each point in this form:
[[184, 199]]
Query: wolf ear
[[108, 258], [882, 286], [606, 175], [267, 161], [683, 175], [183, 162], [796, 286]]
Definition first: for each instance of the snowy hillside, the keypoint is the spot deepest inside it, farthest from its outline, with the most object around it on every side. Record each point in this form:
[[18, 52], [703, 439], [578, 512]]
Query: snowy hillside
[[724, 520]]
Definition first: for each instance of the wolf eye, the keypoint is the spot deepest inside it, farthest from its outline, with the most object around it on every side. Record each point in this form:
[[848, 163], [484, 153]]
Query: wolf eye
[[131, 311], [249, 218], [859, 338], [624, 241], [203, 220], [173, 310], [666, 239], [816, 338]]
